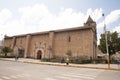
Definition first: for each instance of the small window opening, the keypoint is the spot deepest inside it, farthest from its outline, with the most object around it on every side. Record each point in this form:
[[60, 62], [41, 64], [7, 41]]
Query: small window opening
[[69, 39]]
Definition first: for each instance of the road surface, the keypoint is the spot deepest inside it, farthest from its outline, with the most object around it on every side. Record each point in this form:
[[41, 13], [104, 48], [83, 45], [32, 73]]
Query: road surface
[[25, 71]]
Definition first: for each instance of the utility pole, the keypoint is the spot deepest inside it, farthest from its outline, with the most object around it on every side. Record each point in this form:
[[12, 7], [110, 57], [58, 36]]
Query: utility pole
[[108, 59]]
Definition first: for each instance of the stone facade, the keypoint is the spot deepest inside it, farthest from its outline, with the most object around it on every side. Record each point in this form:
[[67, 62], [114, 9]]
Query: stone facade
[[80, 41]]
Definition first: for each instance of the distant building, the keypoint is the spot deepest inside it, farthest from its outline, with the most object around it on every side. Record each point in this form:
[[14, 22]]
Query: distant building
[[80, 41]]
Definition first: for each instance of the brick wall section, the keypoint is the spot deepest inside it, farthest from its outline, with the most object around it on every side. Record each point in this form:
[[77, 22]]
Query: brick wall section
[[81, 43], [39, 42], [7, 42]]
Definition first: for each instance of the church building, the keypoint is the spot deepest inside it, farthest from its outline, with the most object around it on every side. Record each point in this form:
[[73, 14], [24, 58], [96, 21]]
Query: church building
[[80, 41]]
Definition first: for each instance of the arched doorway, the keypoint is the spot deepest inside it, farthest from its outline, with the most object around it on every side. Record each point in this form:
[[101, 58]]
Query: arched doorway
[[39, 54]]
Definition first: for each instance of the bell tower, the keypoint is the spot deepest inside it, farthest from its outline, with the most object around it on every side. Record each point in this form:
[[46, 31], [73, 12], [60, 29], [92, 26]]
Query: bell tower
[[92, 24]]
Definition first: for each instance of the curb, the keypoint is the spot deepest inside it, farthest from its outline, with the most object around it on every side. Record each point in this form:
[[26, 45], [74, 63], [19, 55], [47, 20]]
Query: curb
[[115, 69]]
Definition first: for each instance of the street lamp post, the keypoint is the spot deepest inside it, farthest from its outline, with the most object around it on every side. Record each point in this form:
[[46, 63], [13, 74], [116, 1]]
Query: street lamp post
[[108, 59]]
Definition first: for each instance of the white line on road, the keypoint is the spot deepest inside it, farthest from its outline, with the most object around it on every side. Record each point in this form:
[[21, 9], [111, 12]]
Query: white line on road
[[19, 75], [50, 79], [23, 75], [88, 75], [13, 76], [1, 79], [92, 74], [74, 76], [5, 77], [13, 69], [78, 76], [65, 77], [27, 75]]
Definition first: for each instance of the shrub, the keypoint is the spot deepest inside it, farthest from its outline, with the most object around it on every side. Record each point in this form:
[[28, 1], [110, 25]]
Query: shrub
[[113, 61], [80, 61], [6, 50], [7, 56], [45, 60]]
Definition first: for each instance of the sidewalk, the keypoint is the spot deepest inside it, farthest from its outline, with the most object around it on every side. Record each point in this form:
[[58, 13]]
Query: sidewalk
[[92, 66]]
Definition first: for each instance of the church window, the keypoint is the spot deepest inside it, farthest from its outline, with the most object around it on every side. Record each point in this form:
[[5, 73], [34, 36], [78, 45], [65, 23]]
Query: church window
[[40, 43], [20, 41], [14, 43], [69, 39]]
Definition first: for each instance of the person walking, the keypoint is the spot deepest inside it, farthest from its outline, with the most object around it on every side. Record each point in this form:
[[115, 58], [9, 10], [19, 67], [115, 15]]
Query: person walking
[[16, 53], [67, 61]]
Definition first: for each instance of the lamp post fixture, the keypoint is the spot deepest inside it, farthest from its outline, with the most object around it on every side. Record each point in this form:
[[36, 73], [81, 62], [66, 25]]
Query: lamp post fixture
[[106, 41]]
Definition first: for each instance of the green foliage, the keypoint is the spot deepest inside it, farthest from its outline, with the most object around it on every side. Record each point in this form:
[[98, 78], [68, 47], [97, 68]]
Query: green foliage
[[51, 60], [99, 60], [81, 61], [7, 56], [45, 60], [6, 50], [113, 43], [102, 45]]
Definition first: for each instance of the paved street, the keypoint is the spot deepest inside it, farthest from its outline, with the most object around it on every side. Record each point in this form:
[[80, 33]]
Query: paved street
[[24, 71]]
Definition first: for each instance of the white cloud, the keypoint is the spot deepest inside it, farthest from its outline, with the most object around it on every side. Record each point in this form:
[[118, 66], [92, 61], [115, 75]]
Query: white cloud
[[95, 14], [5, 15], [12, 27], [68, 18], [98, 40], [33, 14], [117, 28], [38, 18], [110, 18]]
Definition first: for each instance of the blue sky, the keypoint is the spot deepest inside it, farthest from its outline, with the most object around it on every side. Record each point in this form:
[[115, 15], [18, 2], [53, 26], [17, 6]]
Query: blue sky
[[55, 5], [28, 16]]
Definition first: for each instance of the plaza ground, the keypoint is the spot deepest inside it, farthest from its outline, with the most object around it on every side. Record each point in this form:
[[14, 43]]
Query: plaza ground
[[11, 70]]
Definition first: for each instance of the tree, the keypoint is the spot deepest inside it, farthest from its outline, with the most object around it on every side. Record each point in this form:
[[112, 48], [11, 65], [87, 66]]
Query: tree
[[113, 43], [6, 50]]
